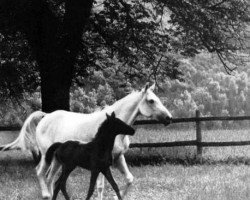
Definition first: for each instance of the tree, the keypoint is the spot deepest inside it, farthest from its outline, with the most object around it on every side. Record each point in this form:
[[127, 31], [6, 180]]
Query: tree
[[137, 40], [54, 41]]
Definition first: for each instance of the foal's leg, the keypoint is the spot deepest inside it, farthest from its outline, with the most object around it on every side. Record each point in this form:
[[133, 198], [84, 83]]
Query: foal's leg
[[112, 182], [123, 168], [57, 187], [61, 183], [41, 170], [94, 175]]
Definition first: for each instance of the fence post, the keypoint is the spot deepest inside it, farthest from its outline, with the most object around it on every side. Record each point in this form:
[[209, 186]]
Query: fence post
[[198, 135]]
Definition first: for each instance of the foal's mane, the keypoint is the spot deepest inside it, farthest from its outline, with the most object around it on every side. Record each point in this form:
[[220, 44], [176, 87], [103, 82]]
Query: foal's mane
[[101, 128]]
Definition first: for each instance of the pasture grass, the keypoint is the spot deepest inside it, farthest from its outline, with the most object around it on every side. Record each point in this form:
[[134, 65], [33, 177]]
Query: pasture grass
[[162, 173]]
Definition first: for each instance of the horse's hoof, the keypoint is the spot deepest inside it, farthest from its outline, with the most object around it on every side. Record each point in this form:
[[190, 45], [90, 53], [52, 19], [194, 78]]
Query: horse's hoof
[[116, 198], [46, 196]]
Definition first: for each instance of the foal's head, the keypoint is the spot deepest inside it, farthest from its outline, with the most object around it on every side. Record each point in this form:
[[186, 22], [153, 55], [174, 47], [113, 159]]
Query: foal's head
[[114, 126]]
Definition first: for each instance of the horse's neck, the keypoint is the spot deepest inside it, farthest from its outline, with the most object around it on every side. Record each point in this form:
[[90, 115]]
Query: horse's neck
[[127, 108]]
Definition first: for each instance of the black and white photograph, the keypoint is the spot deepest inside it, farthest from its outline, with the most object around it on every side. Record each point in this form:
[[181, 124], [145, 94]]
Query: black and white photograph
[[124, 99]]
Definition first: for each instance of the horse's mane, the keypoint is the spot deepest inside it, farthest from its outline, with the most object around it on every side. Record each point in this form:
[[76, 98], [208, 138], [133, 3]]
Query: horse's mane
[[120, 101], [116, 102]]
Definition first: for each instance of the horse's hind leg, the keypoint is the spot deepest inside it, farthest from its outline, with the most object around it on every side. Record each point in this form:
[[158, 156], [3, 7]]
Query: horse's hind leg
[[36, 157], [123, 168], [54, 170], [100, 186], [112, 182], [41, 170]]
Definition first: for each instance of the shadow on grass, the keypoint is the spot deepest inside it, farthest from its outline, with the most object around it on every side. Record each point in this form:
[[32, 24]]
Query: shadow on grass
[[138, 160], [16, 159], [17, 162]]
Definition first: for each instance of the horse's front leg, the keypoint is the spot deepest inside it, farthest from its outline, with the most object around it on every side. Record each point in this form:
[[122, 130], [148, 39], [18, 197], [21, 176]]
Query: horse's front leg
[[100, 186], [121, 164]]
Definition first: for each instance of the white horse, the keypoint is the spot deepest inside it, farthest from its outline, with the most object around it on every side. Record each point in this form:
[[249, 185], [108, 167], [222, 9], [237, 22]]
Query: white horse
[[61, 126]]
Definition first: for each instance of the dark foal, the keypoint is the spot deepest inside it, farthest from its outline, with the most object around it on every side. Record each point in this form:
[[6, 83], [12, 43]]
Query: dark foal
[[95, 156]]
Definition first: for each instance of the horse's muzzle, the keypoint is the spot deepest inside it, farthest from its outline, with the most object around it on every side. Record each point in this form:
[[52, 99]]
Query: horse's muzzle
[[167, 121]]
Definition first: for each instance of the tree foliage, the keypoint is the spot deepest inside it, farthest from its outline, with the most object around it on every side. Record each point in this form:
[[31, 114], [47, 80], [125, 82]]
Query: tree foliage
[[125, 42], [17, 69]]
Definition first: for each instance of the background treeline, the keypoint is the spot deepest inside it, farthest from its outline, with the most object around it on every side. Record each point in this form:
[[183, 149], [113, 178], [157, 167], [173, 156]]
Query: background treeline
[[207, 87], [203, 84]]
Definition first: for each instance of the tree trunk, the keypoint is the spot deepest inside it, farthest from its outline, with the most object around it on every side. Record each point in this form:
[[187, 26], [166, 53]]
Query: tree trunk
[[55, 42], [55, 87]]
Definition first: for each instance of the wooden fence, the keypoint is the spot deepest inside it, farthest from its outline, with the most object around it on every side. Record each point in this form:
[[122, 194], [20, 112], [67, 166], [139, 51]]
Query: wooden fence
[[198, 142]]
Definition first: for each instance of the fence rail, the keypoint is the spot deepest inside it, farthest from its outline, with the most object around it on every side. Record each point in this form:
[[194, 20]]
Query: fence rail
[[198, 142], [194, 119]]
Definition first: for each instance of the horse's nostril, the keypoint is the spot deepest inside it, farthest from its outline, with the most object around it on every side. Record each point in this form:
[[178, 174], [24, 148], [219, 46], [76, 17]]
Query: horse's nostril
[[169, 119]]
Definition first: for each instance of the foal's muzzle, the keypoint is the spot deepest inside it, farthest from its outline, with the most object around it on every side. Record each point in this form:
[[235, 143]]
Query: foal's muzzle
[[132, 132]]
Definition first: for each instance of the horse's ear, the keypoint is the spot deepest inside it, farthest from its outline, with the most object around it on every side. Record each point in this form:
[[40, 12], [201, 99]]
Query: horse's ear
[[146, 87], [113, 114], [152, 87]]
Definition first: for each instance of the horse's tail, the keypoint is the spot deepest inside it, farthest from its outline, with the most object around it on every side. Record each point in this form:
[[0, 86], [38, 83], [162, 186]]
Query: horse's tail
[[26, 139], [50, 152]]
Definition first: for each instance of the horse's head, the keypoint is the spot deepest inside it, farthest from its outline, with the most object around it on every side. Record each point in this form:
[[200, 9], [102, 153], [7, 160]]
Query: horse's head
[[151, 106], [117, 126]]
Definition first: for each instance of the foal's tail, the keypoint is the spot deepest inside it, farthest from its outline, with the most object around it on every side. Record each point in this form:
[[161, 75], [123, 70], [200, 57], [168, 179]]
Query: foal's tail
[[50, 152], [27, 138]]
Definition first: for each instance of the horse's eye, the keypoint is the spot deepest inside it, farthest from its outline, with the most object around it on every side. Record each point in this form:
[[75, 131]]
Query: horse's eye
[[151, 101]]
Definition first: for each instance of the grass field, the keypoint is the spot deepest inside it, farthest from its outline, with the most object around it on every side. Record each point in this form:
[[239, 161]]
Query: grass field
[[163, 173]]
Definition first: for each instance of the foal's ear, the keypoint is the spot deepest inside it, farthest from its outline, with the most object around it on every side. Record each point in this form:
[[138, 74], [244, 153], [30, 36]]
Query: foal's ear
[[113, 114], [108, 116]]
